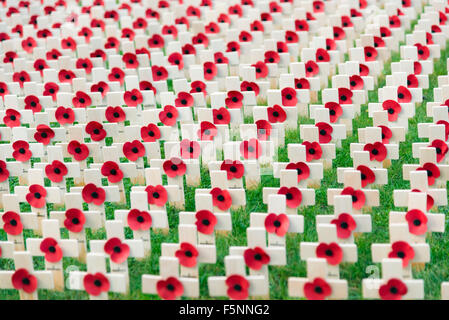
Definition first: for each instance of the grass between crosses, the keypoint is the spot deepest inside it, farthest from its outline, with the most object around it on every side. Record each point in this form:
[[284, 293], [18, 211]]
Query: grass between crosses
[[433, 274]]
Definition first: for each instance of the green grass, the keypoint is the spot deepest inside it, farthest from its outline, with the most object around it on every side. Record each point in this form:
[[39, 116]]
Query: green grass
[[433, 274]]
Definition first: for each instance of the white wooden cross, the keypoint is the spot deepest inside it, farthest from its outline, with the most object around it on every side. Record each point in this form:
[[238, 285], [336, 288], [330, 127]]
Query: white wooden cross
[[353, 187], [72, 218], [169, 284], [251, 173], [24, 278], [97, 281], [114, 231], [53, 249], [13, 221], [189, 253], [236, 284], [316, 285], [392, 270]]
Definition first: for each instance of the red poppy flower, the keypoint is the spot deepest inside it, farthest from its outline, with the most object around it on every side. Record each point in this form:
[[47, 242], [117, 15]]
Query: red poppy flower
[[79, 151], [56, 171], [443, 18], [266, 16], [184, 99], [377, 151], [250, 86], [321, 55], [23, 280], [417, 222], [395, 22], [9, 57], [378, 42], [112, 43], [74, 220], [313, 150], [275, 7], [433, 172], [117, 74], [3, 89], [12, 118], [318, 289], [261, 69], [169, 115], [139, 220], [345, 224], [394, 289], [21, 151], [363, 70], [188, 49], [207, 131], [128, 33], [256, 25], [51, 249], [81, 100], [68, 43], [66, 76], [238, 287], [237, 9], [150, 13], [339, 33], [205, 221], [276, 114], [95, 130], [159, 73], [36, 196], [4, 36], [86, 33], [386, 134], [440, 147], [95, 284], [335, 111], [256, 258], [402, 250], [4, 173], [358, 197], [170, 30], [221, 116], [220, 58], [210, 70], [133, 98], [277, 224], [356, 82], [234, 99], [157, 195], [21, 77], [174, 167], [325, 132], [289, 97], [281, 47], [245, 36], [301, 25], [115, 114], [130, 60], [98, 54], [146, 86], [190, 149], [140, 23], [435, 29], [101, 87], [40, 65], [233, 46], [221, 198], [423, 51], [176, 59], [187, 255], [393, 108], [331, 44], [169, 289], [112, 171], [367, 175], [29, 44], [201, 38], [332, 252], [263, 129], [293, 196], [117, 250], [193, 11], [302, 83], [234, 169], [12, 223], [85, 64], [345, 96], [111, 14], [312, 68], [346, 22], [51, 89], [17, 29], [133, 150], [150, 133], [93, 194], [97, 23], [250, 149], [301, 168]]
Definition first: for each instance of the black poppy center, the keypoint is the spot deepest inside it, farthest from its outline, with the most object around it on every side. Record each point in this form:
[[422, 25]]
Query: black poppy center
[[174, 167], [97, 283], [52, 249], [75, 221], [22, 150], [117, 249], [220, 198], [354, 198], [57, 170], [400, 95], [13, 222], [312, 151], [205, 222], [417, 222], [140, 219], [277, 223], [344, 225], [26, 281]]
